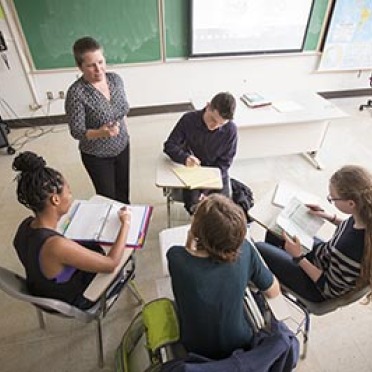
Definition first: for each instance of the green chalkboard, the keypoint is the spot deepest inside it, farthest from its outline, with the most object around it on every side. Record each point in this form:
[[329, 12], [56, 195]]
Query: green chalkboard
[[316, 24], [127, 29], [177, 28]]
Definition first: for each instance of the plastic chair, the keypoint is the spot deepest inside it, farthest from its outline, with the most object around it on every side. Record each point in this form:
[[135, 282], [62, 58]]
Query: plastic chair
[[15, 286], [320, 308]]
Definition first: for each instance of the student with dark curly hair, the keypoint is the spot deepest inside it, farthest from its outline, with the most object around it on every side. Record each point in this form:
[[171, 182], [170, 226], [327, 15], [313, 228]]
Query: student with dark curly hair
[[209, 277], [57, 267]]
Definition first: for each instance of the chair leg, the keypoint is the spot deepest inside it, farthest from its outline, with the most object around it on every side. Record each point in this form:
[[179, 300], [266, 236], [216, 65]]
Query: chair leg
[[99, 343], [305, 323], [136, 293], [40, 318], [306, 335]]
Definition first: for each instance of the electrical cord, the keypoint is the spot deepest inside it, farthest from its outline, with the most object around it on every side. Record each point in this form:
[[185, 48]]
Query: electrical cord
[[34, 131]]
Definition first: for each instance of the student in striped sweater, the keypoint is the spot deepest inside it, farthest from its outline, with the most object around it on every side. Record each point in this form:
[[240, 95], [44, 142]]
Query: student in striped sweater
[[343, 263]]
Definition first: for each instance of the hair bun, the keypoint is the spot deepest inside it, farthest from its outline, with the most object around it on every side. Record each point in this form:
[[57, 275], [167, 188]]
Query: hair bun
[[28, 162]]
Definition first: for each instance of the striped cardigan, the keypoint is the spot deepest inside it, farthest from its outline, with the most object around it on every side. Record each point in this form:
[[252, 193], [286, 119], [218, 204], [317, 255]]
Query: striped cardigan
[[339, 259]]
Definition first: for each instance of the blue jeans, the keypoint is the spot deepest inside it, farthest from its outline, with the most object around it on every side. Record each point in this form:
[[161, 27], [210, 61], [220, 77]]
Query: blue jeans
[[289, 273]]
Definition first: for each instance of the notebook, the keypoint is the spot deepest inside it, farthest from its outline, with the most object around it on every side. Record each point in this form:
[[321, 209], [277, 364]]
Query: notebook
[[97, 221], [198, 176]]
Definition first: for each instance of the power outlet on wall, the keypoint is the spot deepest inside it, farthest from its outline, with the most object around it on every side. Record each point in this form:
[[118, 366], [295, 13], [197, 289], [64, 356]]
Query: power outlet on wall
[[61, 94], [49, 95]]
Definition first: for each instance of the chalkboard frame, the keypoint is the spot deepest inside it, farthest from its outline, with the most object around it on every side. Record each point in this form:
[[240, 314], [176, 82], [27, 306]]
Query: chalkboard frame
[[174, 35]]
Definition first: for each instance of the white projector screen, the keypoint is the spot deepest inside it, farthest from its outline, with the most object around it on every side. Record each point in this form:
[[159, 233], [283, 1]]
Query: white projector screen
[[228, 27]]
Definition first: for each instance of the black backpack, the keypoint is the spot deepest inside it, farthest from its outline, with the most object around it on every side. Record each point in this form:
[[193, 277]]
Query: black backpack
[[242, 195]]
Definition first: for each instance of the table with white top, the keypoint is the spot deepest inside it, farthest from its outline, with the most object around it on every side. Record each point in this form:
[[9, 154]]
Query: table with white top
[[299, 128]]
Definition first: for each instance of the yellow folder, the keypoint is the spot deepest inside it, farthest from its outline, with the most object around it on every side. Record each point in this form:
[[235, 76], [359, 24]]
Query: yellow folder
[[199, 177]]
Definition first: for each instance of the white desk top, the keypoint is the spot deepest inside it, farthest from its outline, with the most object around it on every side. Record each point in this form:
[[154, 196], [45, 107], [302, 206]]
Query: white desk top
[[312, 108], [102, 280], [168, 238], [166, 178]]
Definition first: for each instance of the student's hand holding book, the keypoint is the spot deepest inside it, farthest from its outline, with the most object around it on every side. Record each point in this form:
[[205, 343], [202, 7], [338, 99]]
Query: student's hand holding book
[[292, 245]]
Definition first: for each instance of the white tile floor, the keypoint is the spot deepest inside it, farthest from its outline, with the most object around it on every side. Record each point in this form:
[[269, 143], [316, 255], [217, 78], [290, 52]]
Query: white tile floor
[[340, 341]]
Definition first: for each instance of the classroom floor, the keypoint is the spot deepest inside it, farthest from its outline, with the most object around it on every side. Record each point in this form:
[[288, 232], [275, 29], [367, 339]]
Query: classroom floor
[[338, 342]]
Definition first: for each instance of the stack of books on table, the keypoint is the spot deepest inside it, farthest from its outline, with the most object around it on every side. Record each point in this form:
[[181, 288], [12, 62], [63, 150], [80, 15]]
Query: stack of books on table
[[97, 220], [254, 100]]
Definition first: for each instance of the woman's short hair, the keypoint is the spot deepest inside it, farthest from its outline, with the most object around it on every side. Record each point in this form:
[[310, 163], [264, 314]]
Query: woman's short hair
[[219, 226], [36, 181], [83, 45]]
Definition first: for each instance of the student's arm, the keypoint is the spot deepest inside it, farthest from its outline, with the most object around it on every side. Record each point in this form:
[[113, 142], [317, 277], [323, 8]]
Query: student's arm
[[273, 290], [225, 159], [293, 247], [316, 210], [174, 146], [59, 251], [261, 276]]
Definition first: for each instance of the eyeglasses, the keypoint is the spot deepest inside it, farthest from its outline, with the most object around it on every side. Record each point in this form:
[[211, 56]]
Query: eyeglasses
[[331, 200]]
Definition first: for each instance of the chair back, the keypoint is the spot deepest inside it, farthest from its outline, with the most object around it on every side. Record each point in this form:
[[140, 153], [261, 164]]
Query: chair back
[[15, 286]]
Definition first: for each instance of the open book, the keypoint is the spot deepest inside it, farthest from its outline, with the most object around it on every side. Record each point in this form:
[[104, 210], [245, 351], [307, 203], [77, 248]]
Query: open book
[[296, 220], [199, 177], [254, 99], [95, 221]]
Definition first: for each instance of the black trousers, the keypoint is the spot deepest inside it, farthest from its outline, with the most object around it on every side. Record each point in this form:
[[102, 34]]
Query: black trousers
[[110, 176]]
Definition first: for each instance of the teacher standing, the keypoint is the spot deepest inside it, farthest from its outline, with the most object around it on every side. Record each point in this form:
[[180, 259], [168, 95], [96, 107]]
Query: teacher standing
[[96, 106]]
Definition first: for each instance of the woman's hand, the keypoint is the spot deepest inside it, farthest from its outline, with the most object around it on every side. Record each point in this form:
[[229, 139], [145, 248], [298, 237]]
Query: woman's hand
[[110, 129], [125, 216], [292, 245], [316, 210]]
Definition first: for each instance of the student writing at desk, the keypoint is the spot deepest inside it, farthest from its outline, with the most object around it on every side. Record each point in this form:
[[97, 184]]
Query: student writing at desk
[[343, 263], [57, 267], [207, 137], [209, 277]]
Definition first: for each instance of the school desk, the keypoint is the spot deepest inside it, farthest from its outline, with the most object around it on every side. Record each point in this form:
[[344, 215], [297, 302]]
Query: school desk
[[169, 182]]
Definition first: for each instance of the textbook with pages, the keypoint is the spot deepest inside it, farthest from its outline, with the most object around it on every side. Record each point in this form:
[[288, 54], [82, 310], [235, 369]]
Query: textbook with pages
[[99, 222], [296, 220]]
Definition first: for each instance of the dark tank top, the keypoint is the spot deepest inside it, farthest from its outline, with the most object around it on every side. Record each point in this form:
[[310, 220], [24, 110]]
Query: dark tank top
[[28, 242]]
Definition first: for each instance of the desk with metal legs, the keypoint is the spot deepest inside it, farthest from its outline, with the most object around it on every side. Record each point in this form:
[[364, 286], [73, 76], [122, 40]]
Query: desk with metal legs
[[169, 182]]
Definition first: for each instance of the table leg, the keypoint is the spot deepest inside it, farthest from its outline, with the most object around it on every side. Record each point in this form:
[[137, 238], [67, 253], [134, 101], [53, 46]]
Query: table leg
[[311, 156], [167, 194]]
